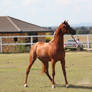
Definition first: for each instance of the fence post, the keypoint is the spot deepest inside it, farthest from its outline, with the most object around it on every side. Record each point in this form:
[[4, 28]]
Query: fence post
[[88, 41], [31, 41], [0, 44]]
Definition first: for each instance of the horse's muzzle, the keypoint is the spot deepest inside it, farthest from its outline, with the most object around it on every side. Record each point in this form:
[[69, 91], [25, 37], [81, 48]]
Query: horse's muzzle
[[73, 32]]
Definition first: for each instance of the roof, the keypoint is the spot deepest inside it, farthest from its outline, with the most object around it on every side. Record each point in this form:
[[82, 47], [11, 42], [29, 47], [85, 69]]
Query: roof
[[10, 24]]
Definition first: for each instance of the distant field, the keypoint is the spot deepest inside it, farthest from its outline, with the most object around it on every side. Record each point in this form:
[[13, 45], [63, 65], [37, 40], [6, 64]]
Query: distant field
[[78, 66]]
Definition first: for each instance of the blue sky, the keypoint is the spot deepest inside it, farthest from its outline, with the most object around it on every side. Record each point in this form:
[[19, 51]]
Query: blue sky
[[48, 12]]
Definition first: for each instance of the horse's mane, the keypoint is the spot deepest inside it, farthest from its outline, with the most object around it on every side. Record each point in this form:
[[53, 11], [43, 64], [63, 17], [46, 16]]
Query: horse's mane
[[56, 33]]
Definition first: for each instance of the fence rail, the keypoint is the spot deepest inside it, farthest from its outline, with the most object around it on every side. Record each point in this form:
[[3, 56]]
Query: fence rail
[[86, 39]]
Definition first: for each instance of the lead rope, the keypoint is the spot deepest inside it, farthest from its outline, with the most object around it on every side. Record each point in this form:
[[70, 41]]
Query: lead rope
[[74, 40]]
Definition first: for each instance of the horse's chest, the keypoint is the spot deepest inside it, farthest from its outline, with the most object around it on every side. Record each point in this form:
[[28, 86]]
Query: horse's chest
[[58, 54]]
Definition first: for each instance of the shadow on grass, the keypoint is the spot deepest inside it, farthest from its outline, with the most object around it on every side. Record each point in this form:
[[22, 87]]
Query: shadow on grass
[[75, 86], [72, 86]]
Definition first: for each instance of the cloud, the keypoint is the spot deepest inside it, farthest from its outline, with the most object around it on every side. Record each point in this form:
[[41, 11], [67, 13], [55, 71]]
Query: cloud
[[46, 12], [55, 11], [5, 6], [63, 2], [30, 2]]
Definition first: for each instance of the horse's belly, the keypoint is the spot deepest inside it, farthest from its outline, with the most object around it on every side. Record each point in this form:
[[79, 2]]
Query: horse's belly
[[44, 59], [42, 54]]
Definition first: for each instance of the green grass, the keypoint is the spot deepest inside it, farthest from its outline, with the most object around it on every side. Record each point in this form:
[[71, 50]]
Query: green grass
[[78, 66]]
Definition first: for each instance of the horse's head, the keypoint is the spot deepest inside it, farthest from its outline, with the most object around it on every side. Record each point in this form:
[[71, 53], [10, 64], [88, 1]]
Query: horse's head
[[66, 29]]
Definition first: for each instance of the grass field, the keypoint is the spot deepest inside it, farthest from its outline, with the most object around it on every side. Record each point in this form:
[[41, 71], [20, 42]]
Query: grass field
[[78, 66]]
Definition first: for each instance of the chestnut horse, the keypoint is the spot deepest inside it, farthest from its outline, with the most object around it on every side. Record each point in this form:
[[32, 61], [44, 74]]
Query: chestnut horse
[[52, 51]]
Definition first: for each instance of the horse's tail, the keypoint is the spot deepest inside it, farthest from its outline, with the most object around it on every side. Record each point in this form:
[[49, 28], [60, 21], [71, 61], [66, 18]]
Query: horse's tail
[[43, 69]]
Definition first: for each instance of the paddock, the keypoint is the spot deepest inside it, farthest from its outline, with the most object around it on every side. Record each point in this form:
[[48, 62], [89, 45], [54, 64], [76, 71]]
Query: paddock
[[78, 67]]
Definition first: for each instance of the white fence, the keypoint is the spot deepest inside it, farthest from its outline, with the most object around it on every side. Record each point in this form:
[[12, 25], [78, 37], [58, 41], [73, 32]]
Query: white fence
[[3, 43], [86, 39]]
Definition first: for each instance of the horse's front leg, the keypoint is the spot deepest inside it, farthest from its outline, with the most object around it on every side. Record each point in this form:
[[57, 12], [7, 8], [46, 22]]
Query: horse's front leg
[[64, 72], [53, 73], [31, 61]]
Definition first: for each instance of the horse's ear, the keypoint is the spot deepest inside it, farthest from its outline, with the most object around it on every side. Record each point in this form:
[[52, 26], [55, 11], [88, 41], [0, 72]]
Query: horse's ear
[[66, 21]]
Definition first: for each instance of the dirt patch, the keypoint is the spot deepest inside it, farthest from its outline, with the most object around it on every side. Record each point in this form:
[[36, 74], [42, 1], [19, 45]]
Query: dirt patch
[[84, 82]]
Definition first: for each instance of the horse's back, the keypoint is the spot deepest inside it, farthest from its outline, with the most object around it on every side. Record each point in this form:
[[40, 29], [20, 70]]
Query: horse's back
[[39, 47]]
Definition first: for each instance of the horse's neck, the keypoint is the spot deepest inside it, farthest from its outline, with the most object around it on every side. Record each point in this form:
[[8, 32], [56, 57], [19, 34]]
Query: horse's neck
[[58, 40]]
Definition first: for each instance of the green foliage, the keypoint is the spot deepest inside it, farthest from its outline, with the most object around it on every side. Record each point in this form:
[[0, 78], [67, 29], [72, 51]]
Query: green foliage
[[20, 48], [83, 30], [48, 38]]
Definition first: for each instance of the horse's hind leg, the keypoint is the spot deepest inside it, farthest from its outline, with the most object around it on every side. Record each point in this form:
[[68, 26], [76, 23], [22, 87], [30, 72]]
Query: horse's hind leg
[[45, 69], [31, 61]]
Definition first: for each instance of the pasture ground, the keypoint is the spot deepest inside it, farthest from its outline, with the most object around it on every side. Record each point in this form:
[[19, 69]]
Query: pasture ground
[[78, 66]]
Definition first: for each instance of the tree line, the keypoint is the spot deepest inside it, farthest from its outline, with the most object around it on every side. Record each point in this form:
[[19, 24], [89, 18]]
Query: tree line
[[83, 30], [79, 30]]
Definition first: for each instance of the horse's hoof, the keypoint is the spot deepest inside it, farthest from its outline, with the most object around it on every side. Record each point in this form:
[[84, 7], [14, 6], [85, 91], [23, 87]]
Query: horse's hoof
[[53, 86], [25, 85], [67, 85]]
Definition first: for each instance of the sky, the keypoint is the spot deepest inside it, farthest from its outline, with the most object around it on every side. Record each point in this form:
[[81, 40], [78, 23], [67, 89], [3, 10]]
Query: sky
[[48, 12]]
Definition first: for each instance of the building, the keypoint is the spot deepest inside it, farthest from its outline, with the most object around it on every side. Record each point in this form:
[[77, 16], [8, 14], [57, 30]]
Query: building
[[10, 26]]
